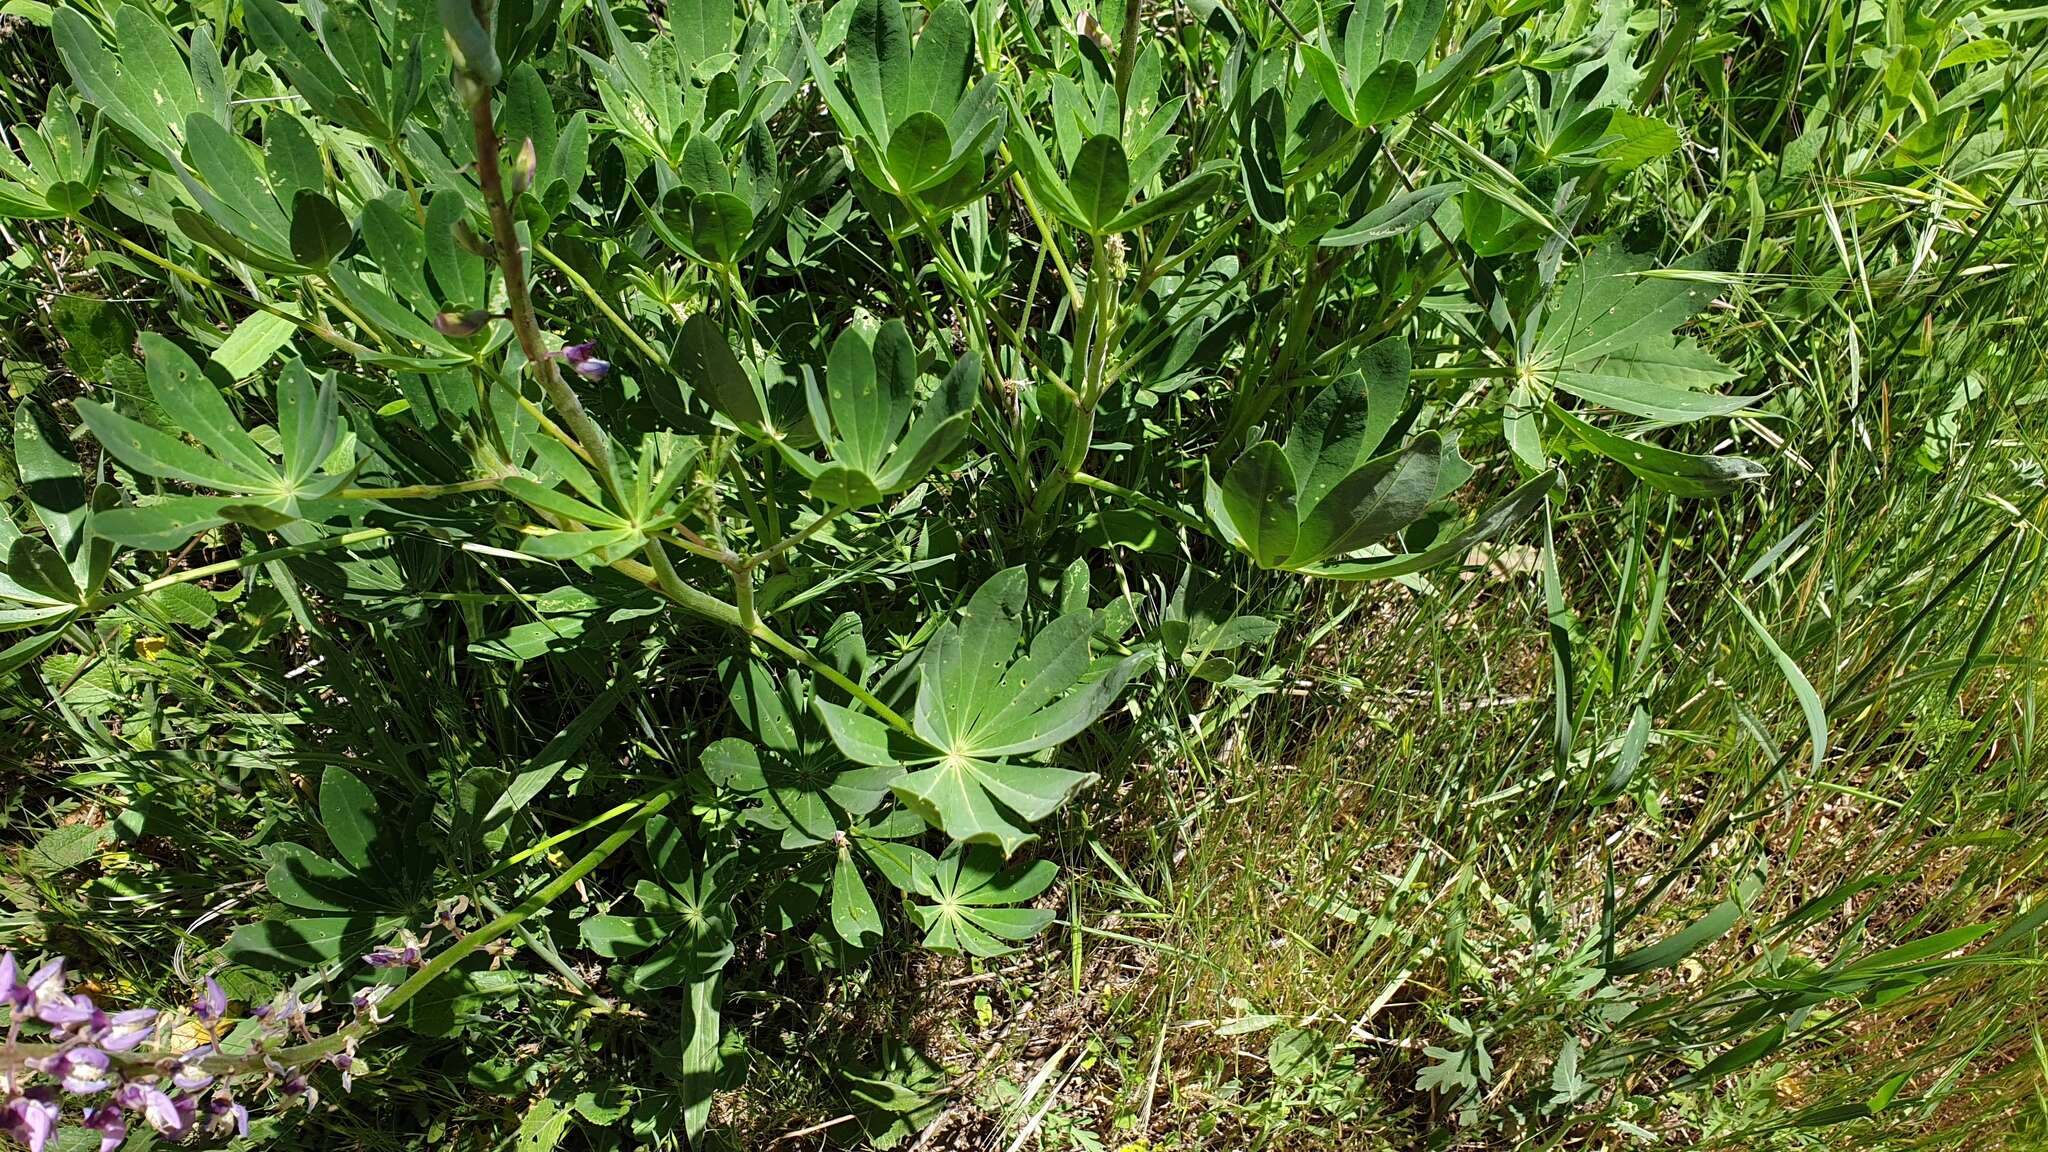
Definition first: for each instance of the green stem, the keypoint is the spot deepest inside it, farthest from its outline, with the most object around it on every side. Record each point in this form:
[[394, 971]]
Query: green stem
[[417, 491], [1179, 516], [874, 704], [322, 331], [654, 358], [203, 571], [455, 953], [791, 540], [551, 958], [519, 305]]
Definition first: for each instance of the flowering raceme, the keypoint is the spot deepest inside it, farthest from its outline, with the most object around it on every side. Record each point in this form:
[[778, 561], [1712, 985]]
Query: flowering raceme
[[166, 1070]]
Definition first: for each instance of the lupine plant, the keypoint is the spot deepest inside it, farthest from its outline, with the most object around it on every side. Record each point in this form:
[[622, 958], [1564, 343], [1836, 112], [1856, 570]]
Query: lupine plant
[[913, 361]]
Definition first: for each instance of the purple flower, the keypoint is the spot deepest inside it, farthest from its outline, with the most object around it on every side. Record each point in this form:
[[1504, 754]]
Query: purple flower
[[212, 1004], [123, 1030], [227, 1115], [156, 1106], [583, 360], [110, 1124], [61, 1011], [31, 1119], [12, 991], [409, 952], [82, 1070], [46, 984]]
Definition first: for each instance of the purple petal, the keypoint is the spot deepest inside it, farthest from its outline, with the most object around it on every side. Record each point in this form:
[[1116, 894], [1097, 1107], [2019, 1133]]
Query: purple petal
[[48, 980], [110, 1124], [125, 1030], [10, 982], [214, 1004], [62, 1011], [593, 368], [34, 1121]]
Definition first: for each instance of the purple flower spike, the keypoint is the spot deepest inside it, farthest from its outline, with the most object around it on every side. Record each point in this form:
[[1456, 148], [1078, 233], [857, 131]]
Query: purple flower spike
[[110, 1124]]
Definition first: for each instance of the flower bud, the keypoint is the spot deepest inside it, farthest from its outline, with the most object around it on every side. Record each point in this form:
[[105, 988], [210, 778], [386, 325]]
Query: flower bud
[[1087, 26], [475, 245], [460, 324], [524, 166], [583, 360]]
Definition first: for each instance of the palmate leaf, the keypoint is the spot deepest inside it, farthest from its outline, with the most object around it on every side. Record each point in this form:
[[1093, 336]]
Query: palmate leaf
[[1329, 492], [684, 933], [865, 416], [57, 171], [799, 783], [980, 706], [1608, 339], [916, 125], [974, 897], [226, 458], [143, 81]]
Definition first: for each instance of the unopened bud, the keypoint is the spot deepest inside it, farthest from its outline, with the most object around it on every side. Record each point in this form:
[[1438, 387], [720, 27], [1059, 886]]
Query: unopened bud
[[524, 166], [459, 324], [472, 243], [1086, 25]]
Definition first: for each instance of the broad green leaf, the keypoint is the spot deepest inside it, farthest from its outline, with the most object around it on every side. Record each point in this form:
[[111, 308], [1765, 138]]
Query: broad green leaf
[[50, 478], [304, 879], [154, 453], [1647, 398], [878, 63], [938, 69], [1607, 308], [920, 152], [1342, 426], [854, 915], [709, 367], [617, 937], [253, 342], [348, 812], [1261, 137], [1258, 497], [1510, 510], [191, 400], [1185, 196], [1383, 497], [1100, 182], [300, 944], [308, 422], [161, 525], [1398, 216]]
